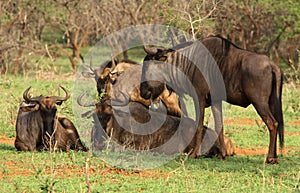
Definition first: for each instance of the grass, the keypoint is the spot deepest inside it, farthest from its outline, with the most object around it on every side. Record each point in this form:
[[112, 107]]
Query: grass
[[66, 172]]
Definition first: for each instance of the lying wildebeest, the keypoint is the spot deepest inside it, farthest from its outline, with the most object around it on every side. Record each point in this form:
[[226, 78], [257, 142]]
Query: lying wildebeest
[[121, 81], [173, 135], [39, 128], [249, 78], [210, 138]]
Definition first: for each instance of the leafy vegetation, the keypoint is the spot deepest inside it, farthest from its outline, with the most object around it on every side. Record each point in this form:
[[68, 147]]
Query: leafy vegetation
[[52, 29]]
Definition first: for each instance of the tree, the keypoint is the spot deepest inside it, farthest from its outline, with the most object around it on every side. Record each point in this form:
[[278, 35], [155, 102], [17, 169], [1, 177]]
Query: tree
[[196, 17], [260, 26], [21, 27], [33, 29], [62, 27]]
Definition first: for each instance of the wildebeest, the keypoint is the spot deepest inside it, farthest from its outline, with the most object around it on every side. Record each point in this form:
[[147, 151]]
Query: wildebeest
[[174, 135], [107, 73], [121, 80], [39, 128], [210, 138], [249, 78]]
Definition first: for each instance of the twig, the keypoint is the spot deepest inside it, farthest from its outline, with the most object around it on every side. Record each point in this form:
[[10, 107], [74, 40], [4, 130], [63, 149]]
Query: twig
[[87, 174], [187, 16], [48, 53], [33, 164]]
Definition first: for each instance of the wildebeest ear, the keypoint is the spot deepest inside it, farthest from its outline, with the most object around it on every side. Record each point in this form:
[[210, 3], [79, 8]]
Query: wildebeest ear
[[28, 107], [59, 102], [150, 50]]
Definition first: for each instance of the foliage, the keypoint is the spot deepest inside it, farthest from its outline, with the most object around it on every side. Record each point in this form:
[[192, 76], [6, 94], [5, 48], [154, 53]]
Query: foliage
[[262, 26], [195, 17], [60, 28]]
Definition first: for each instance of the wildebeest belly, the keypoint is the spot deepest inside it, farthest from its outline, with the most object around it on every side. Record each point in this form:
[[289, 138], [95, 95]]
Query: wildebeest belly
[[238, 98], [235, 92]]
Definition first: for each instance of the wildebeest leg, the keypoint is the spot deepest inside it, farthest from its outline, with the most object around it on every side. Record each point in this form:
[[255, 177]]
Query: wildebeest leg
[[218, 119], [72, 135], [21, 146], [265, 113], [198, 134]]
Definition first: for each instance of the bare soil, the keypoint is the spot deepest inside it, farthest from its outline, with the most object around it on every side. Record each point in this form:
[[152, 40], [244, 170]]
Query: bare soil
[[5, 140]]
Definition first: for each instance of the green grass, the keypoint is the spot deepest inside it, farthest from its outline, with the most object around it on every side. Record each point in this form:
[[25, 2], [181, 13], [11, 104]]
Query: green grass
[[44, 171], [65, 172]]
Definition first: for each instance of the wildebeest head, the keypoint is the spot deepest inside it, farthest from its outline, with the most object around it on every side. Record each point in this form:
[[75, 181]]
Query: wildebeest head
[[158, 72], [45, 104], [152, 83], [103, 108], [107, 73], [102, 74]]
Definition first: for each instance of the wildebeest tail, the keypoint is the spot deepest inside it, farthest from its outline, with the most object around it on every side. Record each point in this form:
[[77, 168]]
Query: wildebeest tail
[[276, 102]]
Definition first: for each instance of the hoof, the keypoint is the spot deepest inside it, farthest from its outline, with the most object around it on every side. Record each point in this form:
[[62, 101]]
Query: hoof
[[193, 155], [272, 160], [221, 157]]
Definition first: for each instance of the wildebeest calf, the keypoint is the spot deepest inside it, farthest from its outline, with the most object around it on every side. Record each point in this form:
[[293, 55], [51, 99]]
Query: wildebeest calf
[[39, 128]]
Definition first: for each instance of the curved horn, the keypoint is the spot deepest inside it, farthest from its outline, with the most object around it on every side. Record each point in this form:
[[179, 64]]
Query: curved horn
[[62, 98], [150, 50], [25, 94], [113, 62], [27, 99], [92, 65], [79, 98]]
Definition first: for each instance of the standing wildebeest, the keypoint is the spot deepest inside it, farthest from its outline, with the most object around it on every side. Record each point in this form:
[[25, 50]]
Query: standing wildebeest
[[38, 127], [249, 78], [121, 80]]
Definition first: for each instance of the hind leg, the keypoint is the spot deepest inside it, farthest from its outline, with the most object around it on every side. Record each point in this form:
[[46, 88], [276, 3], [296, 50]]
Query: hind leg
[[264, 111], [276, 109], [71, 139]]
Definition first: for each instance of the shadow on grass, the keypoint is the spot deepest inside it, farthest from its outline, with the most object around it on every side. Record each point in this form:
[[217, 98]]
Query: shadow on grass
[[244, 163], [7, 147]]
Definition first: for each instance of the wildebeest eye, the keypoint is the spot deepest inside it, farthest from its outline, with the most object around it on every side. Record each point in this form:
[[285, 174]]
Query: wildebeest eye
[[59, 102], [162, 58]]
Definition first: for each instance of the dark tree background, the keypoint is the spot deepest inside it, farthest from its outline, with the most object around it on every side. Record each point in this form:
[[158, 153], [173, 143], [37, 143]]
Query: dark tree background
[[61, 28]]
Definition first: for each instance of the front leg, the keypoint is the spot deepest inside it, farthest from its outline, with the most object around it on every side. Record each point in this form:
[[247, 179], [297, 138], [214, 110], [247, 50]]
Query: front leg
[[198, 135], [218, 119]]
